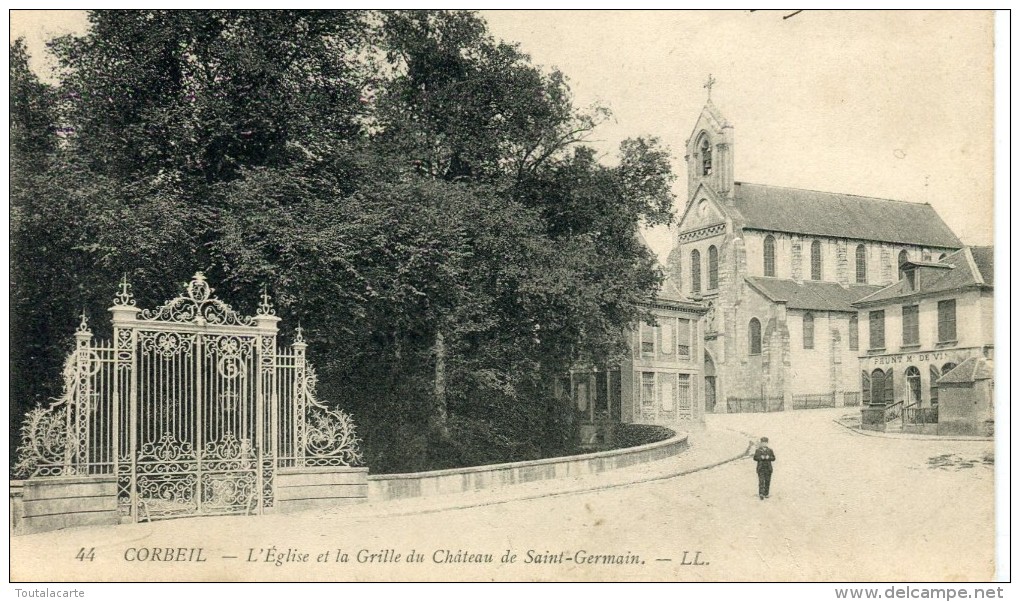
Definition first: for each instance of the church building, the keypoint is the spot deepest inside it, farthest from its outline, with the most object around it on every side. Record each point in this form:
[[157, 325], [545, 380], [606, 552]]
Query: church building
[[779, 269]]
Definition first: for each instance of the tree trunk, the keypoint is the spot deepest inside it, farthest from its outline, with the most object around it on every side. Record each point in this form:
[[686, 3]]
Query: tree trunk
[[439, 412]]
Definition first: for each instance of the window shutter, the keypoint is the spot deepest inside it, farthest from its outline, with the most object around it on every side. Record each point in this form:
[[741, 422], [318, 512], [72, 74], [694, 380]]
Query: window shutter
[[666, 391], [933, 388], [876, 327], [667, 336], [889, 386], [683, 341], [947, 320]]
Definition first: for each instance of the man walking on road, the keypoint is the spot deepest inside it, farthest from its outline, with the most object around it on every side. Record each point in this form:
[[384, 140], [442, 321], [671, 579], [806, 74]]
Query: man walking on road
[[764, 456]]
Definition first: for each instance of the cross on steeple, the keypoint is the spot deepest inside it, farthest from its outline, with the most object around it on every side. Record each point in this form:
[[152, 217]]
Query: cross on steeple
[[708, 85]]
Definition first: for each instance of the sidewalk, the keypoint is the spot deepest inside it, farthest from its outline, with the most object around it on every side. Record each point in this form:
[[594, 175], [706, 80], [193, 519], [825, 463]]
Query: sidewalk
[[855, 427], [708, 448]]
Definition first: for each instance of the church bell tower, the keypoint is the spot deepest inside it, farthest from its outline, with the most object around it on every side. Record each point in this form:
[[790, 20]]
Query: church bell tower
[[710, 151]]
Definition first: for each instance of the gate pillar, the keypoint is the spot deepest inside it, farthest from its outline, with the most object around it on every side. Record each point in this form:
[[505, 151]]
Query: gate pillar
[[124, 317], [266, 402]]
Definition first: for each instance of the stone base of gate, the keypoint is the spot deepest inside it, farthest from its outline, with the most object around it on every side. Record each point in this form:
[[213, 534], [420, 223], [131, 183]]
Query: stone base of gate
[[54, 503], [319, 487]]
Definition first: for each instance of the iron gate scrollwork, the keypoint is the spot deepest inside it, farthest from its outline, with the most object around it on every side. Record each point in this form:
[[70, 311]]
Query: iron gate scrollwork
[[192, 406]]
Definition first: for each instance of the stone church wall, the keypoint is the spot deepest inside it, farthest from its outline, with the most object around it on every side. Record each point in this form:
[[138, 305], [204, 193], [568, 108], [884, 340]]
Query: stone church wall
[[748, 375], [839, 257], [831, 365]]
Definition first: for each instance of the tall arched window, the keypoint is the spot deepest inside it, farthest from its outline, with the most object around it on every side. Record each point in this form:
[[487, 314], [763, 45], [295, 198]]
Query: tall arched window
[[713, 268], [816, 260], [809, 331], [706, 156], [770, 256], [862, 264], [854, 333], [913, 385], [899, 263], [695, 271], [754, 337]]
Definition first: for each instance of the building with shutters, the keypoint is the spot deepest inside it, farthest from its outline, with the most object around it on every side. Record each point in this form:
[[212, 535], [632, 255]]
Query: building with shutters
[[930, 336], [660, 380], [779, 270]]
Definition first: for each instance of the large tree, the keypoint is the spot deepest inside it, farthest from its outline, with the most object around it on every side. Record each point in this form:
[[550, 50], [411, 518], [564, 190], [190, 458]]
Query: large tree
[[413, 191]]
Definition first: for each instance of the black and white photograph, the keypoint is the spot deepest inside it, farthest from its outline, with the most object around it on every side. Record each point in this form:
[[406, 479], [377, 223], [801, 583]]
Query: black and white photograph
[[359, 295]]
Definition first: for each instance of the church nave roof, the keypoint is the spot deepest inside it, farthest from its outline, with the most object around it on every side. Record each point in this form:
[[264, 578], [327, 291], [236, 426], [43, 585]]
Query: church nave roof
[[838, 215]]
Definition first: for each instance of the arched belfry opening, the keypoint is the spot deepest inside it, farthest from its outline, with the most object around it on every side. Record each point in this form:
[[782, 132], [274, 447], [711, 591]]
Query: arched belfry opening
[[705, 155]]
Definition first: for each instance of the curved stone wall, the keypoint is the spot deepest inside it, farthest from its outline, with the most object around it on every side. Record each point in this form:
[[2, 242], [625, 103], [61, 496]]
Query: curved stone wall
[[458, 480]]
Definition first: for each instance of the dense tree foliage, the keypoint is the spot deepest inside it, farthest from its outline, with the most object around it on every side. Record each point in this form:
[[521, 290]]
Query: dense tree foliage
[[414, 192]]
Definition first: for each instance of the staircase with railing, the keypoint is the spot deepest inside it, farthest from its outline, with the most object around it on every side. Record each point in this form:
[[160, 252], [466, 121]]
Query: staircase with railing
[[894, 417]]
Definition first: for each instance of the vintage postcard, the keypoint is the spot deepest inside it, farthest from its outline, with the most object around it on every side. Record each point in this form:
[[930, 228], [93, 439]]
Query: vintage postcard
[[344, 296]]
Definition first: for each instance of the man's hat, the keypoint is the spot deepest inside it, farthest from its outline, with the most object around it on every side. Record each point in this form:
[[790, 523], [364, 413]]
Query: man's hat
[[764, 439]]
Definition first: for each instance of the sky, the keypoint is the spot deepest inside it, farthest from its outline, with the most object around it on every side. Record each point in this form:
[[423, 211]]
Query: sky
[[888, 104]]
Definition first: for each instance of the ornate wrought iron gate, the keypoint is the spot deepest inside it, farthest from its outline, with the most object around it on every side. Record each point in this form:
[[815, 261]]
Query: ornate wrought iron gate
[[192, 406]]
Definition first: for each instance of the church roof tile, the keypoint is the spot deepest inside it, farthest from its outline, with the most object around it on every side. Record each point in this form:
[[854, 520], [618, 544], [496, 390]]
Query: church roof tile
[[839, 215]]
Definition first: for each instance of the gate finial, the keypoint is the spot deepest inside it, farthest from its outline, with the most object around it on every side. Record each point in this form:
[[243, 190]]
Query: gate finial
[[83, 327], [266, 307], [124, 297], [298, 336]]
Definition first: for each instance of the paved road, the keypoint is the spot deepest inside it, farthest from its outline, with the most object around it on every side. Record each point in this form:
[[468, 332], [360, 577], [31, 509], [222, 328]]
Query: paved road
[[844, 507]]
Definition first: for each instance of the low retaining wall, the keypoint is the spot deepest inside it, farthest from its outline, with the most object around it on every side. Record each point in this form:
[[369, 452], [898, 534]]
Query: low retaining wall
[[61, 502], [17, 507], [921, 429], [873, 419], [459, 480], [319, 487]]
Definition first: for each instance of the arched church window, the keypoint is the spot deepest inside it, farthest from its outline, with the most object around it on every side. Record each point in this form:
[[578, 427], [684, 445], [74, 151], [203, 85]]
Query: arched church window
[[854, 337], [900, 261], [770, 256], [809, 331], [706, 157], [695, 271], [713, 268], [862, 264], [816, 260], [754, 337]]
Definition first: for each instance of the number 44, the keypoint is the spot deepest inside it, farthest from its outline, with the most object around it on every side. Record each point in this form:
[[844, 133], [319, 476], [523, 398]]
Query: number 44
[[84, 555]]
